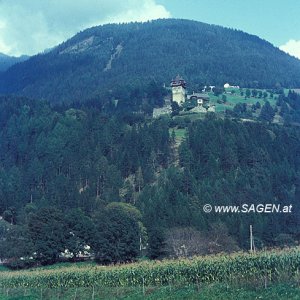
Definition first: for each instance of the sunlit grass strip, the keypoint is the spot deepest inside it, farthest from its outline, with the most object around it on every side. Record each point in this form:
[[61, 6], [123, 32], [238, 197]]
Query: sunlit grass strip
[[221, 268]]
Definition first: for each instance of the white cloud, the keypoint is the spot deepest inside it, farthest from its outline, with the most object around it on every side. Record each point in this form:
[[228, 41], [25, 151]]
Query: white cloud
[[144, 11], [292, 47], [30, 26], [3, 47]]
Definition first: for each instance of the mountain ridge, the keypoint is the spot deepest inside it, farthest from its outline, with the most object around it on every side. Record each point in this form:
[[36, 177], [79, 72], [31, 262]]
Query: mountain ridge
[[160, 49], [6, 61]]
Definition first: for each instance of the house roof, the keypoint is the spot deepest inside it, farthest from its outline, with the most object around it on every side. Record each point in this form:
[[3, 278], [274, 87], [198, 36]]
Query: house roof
[[198, 95], [178, 81]]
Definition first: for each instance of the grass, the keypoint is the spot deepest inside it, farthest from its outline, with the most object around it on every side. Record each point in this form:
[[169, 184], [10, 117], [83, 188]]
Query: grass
[[2, 268], [191, 116], [220, 108], [204, 292], [233, 99], [179, 133]]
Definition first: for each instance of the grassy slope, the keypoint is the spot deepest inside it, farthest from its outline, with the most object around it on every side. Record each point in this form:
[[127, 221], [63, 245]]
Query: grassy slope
[[179, 133], [205, 292], [232, 100]]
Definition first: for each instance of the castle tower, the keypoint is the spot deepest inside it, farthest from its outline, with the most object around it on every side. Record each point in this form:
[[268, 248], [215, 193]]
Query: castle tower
[[178, 86]]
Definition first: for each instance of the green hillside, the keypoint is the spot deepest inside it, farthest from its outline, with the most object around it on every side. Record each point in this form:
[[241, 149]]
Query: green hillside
[[87, 172], [125, 184], [118, 58]]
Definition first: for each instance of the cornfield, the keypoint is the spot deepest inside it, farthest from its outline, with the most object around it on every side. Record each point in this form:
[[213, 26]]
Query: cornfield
[[270, 266]]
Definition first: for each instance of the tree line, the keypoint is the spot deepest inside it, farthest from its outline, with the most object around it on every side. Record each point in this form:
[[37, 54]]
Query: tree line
[[72, 177]]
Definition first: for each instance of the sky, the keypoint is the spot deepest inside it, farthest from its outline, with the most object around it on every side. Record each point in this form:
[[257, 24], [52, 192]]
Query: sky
[[31, 26]]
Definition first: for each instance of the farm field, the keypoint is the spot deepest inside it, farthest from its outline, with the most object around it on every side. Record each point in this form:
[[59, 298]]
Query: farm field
[[269, 274]]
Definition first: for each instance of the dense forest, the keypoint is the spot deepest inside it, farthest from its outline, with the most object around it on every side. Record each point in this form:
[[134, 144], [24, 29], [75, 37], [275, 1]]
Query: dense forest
[[107, 59], [121, 184]]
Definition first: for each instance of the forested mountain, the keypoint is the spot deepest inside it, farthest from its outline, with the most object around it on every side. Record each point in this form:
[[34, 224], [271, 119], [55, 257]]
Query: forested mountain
[[88, 166], [117, 58], [7, 61], [77, 176]]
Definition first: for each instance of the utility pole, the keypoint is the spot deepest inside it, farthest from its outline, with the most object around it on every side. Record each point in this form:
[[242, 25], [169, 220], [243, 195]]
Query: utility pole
[[140, 243], [252, 247]]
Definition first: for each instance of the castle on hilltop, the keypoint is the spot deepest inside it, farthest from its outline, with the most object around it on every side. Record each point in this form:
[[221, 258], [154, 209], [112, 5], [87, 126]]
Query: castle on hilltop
[[179, 94], [194, 103], [178, 86]]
